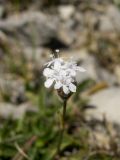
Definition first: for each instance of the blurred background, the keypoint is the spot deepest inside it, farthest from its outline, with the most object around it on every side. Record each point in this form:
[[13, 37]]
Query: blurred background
[[89, 31]]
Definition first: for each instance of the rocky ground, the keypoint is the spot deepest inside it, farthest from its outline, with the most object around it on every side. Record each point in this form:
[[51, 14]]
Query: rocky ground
[[87, 31]]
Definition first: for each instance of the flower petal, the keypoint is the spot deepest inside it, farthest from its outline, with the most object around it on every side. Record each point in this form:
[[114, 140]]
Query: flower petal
[[72, 87], [57, 65], [47, 72], [81, 69], [62, 73], [58, 85], [68, 80], [73, 73], [65, 89], [48, 82]]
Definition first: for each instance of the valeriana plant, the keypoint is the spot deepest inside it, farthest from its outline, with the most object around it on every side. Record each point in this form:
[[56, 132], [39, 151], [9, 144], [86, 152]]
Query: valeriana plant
[[61, 74]]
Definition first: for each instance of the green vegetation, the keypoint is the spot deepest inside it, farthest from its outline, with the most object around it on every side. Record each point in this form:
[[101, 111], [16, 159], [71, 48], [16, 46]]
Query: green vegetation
[[36, 135]]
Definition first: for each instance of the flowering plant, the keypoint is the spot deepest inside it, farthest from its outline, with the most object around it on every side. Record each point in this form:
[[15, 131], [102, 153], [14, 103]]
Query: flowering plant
[[62, 74]]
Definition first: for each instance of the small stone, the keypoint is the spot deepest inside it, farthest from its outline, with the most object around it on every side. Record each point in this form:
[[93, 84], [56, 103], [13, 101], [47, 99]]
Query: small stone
[[106, 24], [105, 104], [66, 11]]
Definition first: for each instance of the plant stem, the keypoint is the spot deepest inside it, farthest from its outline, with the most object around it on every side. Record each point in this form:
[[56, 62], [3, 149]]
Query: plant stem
[[63, 126]]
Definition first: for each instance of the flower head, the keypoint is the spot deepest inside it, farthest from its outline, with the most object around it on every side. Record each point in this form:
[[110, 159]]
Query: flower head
[[62, 74]]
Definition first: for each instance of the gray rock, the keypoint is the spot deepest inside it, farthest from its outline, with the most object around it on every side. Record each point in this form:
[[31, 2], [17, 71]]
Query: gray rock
[[8, 110], [107, 76], [13, 89], [37, 56], [114, 13], [106, 103], [66, 11], [30, 28], [95, 71], [110, 21], [90, 64], [106, 24]]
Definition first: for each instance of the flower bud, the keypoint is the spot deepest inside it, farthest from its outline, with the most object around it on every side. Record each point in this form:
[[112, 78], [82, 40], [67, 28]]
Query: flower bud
[[64, 96]]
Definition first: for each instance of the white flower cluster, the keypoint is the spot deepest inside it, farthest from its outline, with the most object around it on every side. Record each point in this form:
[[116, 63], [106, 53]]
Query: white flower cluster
[[62, 74]]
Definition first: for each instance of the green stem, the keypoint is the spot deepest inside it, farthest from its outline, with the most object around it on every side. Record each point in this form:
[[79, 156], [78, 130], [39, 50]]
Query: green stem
[[63, 126]]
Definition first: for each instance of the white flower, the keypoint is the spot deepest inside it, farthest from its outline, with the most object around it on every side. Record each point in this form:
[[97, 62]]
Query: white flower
[[62, 74]]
